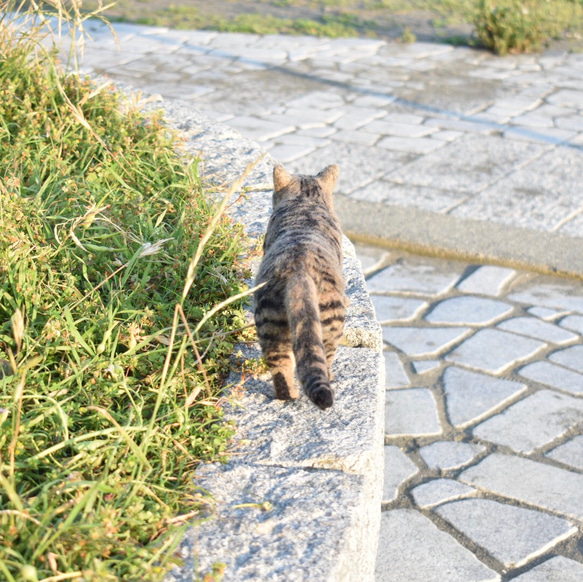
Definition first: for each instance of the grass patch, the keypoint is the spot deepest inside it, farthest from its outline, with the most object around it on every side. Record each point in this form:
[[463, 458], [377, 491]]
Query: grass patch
[[333, 26], [108, 399], [519, 26], [501, 25], [188, 17]]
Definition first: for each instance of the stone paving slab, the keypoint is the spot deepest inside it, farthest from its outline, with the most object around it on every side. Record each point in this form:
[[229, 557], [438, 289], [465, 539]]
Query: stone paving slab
[[439, 491], [398, 469], [554, 376], [411, 412], [470, 396], [538, 484], [431, 555], [533, 422], [557, 569], [571, 453], [513, 535], [469, 311], [446, 455]]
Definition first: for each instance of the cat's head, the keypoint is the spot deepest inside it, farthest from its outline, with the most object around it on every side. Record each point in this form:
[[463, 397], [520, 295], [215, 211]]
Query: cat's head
[[287, 186]]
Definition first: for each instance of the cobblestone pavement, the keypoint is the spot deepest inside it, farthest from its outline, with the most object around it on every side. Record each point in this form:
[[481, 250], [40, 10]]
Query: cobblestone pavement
[[450, 130], [484, 421], [484, 417]]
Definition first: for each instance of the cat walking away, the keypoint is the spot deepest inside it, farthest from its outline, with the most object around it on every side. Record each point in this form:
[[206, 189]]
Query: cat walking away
[[300, 311]]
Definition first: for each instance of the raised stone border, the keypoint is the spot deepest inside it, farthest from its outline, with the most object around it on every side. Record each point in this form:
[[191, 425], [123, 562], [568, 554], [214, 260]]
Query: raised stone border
[[300, 498]]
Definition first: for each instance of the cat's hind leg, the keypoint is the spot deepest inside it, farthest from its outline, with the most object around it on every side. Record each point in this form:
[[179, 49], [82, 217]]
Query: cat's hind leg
[[279, 359], [332, 331], [274, 337]]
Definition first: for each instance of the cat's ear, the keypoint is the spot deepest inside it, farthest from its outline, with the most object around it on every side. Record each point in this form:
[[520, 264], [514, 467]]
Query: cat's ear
[[281, 178], [327, 178]]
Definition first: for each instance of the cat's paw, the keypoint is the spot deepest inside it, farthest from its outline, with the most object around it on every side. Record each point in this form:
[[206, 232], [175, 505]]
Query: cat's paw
[[323, 397]]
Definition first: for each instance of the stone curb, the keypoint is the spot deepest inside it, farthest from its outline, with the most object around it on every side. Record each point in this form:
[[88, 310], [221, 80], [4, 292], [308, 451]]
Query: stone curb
[[443, 235], [300, 498]]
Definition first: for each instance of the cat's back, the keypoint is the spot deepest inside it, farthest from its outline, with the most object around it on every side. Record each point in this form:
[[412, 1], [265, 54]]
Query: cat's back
[[302, 224]]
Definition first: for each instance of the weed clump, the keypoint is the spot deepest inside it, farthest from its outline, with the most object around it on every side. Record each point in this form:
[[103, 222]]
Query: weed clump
[[108, 401], [519, 26]]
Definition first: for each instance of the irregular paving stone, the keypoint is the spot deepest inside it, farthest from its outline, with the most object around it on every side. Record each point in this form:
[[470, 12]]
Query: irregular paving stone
[[544, 312], [423, 366], [468, 311], [285, 153], [389, 126], [532, 422], [438, 491], [566, 98], [411, 548], [470, 396], [513, 535], [535, 483], [570, 357], [398, 468], [432, 199], [417, 342], [395, 376], [304, 118], [447, 455], [487, 280], [494, 351], [554, 376], [541, 197], [259, 129], [411, 412], [574, 322], [415, 145], [469, 163], [571, 453], [538, 329], [317, 100], [567, 296], [447, 135], [480, 125], [355, 117], [355, 136], [391, 309], [557, 569], [421, 279]]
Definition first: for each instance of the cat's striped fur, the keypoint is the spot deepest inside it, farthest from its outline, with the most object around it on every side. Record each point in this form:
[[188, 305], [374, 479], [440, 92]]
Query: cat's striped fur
[[299, 312]]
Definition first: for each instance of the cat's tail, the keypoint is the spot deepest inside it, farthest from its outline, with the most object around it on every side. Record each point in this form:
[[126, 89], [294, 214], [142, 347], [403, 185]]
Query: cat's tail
[[303, 312]]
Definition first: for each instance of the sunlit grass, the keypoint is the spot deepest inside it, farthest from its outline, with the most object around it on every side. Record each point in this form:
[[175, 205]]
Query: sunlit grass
[[111, 256], [525, 25], [501, 25]]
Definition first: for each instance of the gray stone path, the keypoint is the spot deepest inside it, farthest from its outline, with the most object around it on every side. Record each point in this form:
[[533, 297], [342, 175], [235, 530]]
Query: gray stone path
[[484, 421], [450, 134], [484, 416]]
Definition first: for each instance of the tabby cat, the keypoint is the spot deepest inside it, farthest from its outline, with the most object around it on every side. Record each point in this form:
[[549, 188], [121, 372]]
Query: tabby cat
[[299, 312]]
